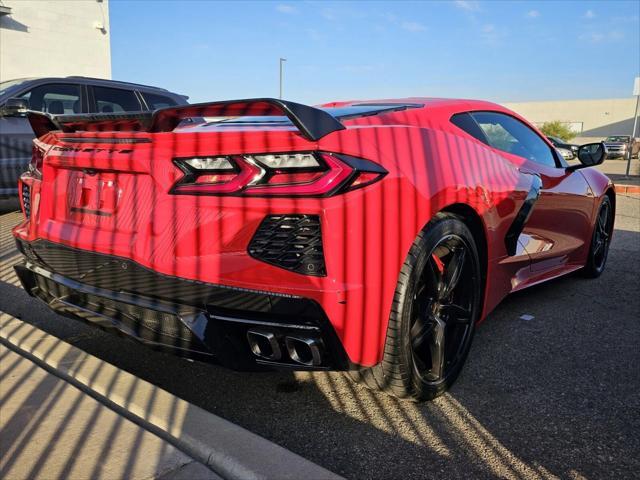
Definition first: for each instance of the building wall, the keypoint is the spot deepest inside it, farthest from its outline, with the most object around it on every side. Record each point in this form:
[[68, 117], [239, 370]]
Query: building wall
[[590, 119], [55, 38]]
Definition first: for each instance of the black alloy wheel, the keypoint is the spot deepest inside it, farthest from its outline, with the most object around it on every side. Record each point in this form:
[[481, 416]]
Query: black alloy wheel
[[437, 302], [601, 240], [442, 310]]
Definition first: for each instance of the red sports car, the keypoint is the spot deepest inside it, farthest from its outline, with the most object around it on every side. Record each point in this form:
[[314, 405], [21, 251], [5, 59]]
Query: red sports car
[[367, 236]]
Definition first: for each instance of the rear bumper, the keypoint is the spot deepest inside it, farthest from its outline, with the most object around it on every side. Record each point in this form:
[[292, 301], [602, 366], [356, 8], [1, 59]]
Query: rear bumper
[[190, 318], [215, 241], [616, 152]]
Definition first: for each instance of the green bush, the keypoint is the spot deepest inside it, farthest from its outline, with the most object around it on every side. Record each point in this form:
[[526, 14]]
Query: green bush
[[557, 129]]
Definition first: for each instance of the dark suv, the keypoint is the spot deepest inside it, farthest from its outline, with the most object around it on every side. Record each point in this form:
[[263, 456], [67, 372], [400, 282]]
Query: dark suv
[[67, 95]]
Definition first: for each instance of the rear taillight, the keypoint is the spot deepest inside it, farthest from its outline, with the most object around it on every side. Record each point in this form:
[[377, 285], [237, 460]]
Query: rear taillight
[[308, 174]]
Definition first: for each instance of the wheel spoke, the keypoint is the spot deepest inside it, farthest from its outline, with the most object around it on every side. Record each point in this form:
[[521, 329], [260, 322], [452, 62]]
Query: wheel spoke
[[601, 234], [601, 224], [435, 274], [436, 346], [443, 308], [456, 313], [452, 272], [420, 331], [422, 299], [598, 247], [602, 219]]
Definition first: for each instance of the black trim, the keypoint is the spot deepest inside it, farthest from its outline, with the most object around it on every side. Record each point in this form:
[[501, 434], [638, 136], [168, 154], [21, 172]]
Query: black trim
[[384, 108], [103, 140], [516, 228], [90, 211], [360, 164], [116, 293], [313, 123], [84, 104], [290, 241], [465, 122]]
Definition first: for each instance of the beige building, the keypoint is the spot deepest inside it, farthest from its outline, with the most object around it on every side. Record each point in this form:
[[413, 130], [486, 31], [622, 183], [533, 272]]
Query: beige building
[[47, 38], [591, 120]]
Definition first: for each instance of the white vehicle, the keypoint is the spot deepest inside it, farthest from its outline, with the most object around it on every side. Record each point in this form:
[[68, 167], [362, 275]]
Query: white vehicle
[[566, 154]]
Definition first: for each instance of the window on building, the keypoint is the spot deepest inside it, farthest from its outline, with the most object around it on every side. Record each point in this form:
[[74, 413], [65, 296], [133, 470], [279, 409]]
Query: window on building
[[54, 98], [510, 135], [157, 101], [114, 100]]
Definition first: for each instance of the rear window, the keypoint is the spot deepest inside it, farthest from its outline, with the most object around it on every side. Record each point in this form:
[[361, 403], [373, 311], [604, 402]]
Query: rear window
[[465, 122], [115, 100], [155, 101], [341, 113]]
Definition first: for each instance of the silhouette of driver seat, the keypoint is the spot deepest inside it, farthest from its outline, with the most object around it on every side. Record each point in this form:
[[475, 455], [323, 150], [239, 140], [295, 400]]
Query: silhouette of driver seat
[[56, 107]]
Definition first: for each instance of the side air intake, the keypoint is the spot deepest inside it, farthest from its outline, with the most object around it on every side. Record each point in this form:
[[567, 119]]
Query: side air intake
[[293, 242]]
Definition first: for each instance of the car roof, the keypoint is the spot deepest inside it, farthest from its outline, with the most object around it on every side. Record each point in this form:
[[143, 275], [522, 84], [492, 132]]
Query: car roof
[[452, 105], [98, 81], [441, 108]]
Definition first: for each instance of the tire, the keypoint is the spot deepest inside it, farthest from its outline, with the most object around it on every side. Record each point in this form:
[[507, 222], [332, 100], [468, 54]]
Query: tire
[[600, 240], [408, 369]]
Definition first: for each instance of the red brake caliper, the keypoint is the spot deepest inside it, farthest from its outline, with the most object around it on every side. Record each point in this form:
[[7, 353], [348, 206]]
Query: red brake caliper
[[438, 262]]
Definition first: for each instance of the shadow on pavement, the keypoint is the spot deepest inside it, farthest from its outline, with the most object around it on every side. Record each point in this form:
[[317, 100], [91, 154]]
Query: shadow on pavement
[[551, 397]]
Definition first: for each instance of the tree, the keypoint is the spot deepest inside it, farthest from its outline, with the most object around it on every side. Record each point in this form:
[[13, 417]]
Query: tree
[[557, 129]]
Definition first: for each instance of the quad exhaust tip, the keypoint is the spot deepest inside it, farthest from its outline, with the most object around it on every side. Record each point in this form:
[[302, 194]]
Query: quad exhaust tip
[[264, 345], [304, 350]]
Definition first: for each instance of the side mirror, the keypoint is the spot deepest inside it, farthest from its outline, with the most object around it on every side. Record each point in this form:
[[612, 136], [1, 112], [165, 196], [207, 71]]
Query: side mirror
[[14, 107], [590, 154]]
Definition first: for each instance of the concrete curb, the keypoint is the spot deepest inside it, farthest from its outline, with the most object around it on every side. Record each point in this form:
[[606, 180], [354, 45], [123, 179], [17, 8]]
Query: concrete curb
[[229, 450], [635, 189]]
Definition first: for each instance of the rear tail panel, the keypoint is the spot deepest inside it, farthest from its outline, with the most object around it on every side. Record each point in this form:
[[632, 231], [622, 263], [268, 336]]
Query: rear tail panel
[[111, 193]]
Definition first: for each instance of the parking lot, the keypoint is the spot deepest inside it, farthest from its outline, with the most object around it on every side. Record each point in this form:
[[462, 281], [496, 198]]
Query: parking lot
[[554, 396]]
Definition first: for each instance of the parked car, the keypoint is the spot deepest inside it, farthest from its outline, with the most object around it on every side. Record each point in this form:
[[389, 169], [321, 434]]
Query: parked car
[[566, 154], [368, 236], [619, 146], [62, 96], [568, 150]]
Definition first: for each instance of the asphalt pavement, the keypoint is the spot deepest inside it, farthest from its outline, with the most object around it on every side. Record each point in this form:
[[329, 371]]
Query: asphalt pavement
[[557, 395]]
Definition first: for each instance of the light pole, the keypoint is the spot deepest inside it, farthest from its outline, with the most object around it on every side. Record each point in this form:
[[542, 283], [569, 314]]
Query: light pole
[[636, 92], [282, 60]]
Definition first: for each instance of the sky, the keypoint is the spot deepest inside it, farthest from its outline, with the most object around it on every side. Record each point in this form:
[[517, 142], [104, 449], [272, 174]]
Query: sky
[[492, 50]]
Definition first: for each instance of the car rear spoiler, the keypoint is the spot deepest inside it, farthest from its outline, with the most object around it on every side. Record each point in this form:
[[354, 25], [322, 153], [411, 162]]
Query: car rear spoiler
[[313, 123]]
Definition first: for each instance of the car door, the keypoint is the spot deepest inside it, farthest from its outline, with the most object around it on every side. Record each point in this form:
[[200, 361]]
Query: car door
[[16, 134], [556, 234]]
